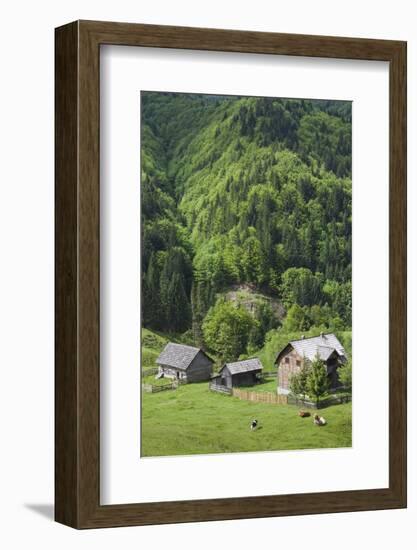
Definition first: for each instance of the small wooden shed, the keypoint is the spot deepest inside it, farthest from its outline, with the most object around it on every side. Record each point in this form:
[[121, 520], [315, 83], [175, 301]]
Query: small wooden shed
[[240, 373], [184, 363]]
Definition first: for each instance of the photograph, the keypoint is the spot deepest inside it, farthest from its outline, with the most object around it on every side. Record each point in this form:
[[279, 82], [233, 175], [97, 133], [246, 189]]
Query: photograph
[[246, 273]]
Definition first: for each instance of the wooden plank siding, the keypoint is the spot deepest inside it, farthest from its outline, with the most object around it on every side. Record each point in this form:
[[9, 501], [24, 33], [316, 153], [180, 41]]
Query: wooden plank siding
[[200, 369], [288, 368]]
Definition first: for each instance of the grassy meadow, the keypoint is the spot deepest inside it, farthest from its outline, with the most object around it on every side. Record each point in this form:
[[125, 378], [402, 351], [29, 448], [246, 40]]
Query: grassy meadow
[[194, 420]]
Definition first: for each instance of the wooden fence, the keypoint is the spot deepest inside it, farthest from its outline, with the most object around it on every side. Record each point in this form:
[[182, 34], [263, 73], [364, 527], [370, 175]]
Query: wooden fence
[[151, 388], [220, 388], [306, 403], [154, 388], [260, 397]]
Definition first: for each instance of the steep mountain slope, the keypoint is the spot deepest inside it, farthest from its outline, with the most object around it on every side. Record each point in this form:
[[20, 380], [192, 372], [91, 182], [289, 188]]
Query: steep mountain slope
[[239, 191]]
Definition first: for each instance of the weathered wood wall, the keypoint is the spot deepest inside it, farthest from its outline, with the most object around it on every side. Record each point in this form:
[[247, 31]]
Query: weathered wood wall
[[200, 369], [285, 370], [244, 379], [226, 377]]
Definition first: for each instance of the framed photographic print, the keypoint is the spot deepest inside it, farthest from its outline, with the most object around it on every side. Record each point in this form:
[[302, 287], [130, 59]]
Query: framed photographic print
[[230, 274]]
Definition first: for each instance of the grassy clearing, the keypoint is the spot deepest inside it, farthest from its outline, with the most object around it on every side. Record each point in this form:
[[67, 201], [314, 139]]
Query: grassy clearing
[[156, 382], [194, 420], [152, 345], [269, 385]]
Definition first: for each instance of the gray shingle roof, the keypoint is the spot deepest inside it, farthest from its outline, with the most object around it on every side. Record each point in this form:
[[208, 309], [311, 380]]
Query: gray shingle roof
[[244, 366], [178, 355], [323, 346]]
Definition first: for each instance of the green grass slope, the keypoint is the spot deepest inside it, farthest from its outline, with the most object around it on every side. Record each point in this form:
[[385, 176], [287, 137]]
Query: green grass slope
[[194, 420], [152, 345]]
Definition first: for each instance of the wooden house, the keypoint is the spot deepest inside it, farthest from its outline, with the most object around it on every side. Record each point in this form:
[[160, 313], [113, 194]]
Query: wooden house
[[240, 373], [184, 363], [296, 353]]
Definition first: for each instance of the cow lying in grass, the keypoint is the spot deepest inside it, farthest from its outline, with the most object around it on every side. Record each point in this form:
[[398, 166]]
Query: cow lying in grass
[[319, 420]]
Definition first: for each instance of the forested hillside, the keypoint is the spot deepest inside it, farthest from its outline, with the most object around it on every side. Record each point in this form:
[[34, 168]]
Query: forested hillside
[[244, 193]]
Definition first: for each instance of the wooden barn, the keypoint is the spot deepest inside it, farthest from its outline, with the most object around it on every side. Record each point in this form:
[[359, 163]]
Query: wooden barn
[[240, 373], [292, 358], [184, 363]]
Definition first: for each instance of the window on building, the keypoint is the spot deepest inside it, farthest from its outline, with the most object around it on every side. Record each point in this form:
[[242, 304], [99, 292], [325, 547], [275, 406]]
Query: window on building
[[298, 363], [287, 359]]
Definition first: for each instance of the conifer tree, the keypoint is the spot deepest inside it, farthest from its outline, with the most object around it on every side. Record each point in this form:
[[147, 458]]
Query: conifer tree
[[317, 380], [179, 311]]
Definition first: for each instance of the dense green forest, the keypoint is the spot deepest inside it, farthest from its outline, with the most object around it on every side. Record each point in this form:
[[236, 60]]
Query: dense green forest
[[251, 195]]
